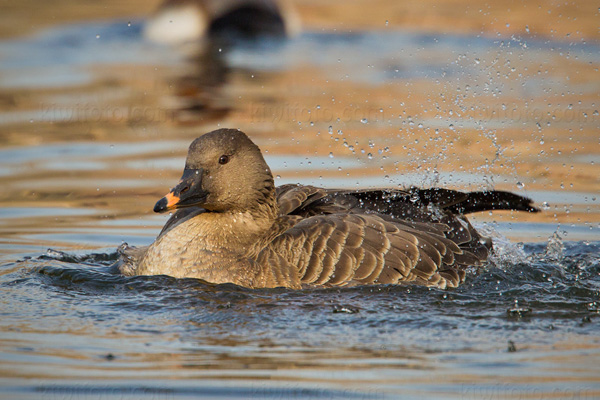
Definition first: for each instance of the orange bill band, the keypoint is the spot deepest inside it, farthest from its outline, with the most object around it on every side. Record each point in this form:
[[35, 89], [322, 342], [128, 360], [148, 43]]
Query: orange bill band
[[172, 201]]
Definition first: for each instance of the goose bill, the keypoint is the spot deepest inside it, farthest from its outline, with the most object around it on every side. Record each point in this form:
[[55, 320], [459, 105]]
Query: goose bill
[[187, 193]]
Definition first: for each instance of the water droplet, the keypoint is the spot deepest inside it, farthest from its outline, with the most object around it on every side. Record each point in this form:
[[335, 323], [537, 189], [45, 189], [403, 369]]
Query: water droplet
[[97, 36], [414, 197], [520, 185], [331, 155], [364, 120], [370, 156]]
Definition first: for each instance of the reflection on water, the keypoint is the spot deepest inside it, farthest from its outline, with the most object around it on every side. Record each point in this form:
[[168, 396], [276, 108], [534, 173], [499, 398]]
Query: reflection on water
[[528, 318], [95, 127]]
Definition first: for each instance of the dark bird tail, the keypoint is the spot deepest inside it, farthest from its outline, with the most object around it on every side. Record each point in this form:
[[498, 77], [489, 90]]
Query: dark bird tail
[[470, 202], [494, 200]]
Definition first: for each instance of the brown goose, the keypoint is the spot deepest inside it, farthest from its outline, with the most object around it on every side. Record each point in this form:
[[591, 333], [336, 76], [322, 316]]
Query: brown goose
[[233, 225]]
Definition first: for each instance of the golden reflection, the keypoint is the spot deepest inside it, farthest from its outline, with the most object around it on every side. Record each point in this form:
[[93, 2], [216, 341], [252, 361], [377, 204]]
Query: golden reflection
[[497, 125], [83, 164]]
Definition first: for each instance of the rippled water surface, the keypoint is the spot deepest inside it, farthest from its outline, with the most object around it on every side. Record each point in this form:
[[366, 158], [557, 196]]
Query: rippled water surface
[[95, 123]]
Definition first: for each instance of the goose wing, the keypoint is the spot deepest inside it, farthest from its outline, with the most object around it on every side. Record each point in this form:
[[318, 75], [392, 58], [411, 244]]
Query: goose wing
[[306, 201], [351, 249]]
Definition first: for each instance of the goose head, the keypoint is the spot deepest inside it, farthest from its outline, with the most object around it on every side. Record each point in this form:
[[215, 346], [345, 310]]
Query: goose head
[[224, 172]]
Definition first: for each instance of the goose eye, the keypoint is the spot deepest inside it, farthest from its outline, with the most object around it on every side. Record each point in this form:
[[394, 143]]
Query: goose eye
[[223, 159]]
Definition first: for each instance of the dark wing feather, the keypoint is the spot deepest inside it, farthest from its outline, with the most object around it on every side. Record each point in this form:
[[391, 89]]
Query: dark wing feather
[[394, 201], [493, 200]]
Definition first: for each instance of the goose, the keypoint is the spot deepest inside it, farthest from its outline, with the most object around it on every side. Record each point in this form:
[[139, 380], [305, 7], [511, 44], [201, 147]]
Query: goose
[[231, 224], [179, 21]]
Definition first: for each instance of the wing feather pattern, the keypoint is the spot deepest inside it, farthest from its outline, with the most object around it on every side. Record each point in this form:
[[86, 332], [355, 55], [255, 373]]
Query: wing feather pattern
[[350, 249], [344, 238]]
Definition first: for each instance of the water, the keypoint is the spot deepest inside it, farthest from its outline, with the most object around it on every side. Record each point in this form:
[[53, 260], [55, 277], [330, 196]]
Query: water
[[78, 330], [95, 130]]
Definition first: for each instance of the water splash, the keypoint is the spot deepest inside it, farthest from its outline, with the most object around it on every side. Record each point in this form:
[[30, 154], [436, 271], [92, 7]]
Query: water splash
[[554, 249]]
